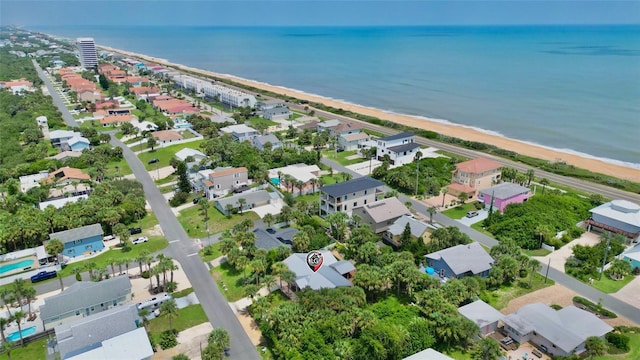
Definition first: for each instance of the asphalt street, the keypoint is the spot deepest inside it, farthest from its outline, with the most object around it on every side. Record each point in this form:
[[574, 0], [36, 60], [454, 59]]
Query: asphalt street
[[617, 306], [66, 115]]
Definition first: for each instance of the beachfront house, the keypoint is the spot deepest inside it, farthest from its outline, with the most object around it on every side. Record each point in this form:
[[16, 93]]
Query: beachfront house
[[167, 136], [332, 274], [381, 214], [483, 315], [80, 241], [504, 194], [83, 299], [263, 105], [60, 138], [240, 132], [346, 196], [400, 148], [459, 261], [557, 332], [327, 125], [617, 216], [474, 175], [277, 113]]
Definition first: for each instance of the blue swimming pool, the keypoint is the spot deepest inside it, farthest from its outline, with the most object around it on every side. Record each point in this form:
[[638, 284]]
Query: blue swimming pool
[[275, 181], [15, 336], [17, 265]]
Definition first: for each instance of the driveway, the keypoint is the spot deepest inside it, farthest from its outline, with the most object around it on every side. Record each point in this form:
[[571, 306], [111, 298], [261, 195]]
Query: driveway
[[467, 221], [630, 293], [560, 256], [363, 168]]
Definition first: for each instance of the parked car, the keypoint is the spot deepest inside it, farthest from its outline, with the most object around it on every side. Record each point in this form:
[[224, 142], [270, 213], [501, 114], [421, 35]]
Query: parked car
[[195, 200], [43, 275], [152, 161], [140, 240], [108, 237], [240, 189], [471, 214], [134, 231]]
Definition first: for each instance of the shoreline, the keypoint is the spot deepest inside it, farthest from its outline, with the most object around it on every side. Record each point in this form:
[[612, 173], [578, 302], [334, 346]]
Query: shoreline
[[444, 127]]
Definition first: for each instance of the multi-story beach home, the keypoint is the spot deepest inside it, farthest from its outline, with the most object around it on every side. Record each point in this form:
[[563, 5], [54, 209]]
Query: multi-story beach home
[[278, 113], [346, 196], [60, 138], [221, 181], [79, 241], [474, 175], [380, 215], [400, 148], [240, 132], [263, 105], [617, 216], [504, 194]]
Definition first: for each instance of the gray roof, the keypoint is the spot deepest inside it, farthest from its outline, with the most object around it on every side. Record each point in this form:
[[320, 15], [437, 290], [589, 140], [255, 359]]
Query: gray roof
[[428, 354], [621, 210], [266, 240], [87, 331], [481, 313], [385, 209], [133, 345], [398, 136], [83, 294], [417, 227], [505, 190], [267, 138], [280, 110], [326, 277], [250, 197], [464, 258], [566, 328], [78, 233], [404, 147], [343, 267], [351, 186]]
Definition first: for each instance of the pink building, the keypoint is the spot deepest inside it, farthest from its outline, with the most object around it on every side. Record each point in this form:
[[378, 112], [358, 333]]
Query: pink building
[[504, 194]]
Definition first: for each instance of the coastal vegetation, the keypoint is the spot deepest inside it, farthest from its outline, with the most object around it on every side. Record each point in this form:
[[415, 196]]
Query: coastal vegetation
[[432, 175]]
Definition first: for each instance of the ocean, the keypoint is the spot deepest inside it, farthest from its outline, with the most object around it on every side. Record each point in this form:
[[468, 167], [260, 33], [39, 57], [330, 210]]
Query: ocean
[[574, 88]]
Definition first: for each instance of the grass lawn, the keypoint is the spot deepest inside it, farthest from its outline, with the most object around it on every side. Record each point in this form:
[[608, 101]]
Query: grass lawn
[[187, 135], [167, 179], [166, 189], [478, 227], [500, 298], [147, 222], [216, 253], [374, 133], [118, 168], [165, 154], [452, 155], [341, 157], [36, 350], [536, 252], [227, 275], [189, 316], [193, 222], [458, 354], [459, 211], [308, 198], [608, 285], [155, 243], [254, 121], [634, 345], [328, 179]]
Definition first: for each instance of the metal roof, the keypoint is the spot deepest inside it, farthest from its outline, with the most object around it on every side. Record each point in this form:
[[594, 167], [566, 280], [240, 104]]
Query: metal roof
[[326, 277], [621, 210], [404, 147], [351, 186], [398, 136], [481, 313], [505, 190], [464, 258], [250, 198], [385, 209], [78, 233], [428, 354], [417, 227]]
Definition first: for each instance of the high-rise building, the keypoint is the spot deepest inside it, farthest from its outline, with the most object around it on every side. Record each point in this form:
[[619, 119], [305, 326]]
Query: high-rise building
[[88, 54]]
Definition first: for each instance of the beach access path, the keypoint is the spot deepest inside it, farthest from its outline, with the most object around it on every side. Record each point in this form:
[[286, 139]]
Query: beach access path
[[612, 303]]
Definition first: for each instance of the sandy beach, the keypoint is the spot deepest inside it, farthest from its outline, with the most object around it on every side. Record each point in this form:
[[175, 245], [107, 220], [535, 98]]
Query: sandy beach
[[448, 129]]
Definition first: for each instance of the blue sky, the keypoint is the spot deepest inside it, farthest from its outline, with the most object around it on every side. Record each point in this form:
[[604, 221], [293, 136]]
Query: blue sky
[[316, 12]]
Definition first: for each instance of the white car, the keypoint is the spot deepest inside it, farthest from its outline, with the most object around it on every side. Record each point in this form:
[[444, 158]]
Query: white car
[[140, 240]]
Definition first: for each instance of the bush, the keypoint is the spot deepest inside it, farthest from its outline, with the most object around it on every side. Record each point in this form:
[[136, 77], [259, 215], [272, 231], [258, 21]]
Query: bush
[[208, 250], [597, 308], [168, 339], [179, 199], [145, 274], [618, 340], [555, 307]]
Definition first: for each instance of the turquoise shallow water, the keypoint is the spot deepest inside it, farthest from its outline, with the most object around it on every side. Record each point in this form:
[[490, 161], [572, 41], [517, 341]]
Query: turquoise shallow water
[[17, 265], [15, 336], [574, 87]]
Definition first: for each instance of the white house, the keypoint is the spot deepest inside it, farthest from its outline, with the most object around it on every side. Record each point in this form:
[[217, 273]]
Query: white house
[[400, 148], [183, 154], [240, 132]]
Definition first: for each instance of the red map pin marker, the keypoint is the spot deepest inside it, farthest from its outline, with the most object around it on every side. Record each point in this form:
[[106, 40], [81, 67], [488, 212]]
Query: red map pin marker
[[314, 260]]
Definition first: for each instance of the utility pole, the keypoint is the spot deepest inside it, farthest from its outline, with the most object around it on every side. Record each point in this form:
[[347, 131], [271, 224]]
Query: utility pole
[[604, 259], [547, 274]]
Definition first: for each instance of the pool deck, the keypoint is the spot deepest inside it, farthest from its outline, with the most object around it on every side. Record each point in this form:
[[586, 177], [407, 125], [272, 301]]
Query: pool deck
[[33, 265]]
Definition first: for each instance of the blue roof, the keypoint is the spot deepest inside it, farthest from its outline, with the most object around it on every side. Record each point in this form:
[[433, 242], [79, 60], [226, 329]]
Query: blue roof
[[351, 186], [401, 135]]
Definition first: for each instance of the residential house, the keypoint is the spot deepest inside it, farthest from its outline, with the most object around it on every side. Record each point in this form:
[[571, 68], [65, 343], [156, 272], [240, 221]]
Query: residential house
[[60, 138], [381, 214], [332, 274], [263, 105], [428, 354], [474, 175], [353, 141], [327, 125], [240, 132], [633, 257], [222, 180], [17, 86], [30, 181], [60, 202], [504, 194], [116, 120], [419, 230], [144, 92], [78, 143], [483, 315], [345, 128], [271, 239], [286, 177], [142, 126], [66, 175], [91, 96], [278, 113], [183, 154], [618, 216], [222, 119], [401, 148], [251, 199], [83, 299], [262, 140], [79, 241], [561, 332], [346, 196], [63, 155], [167, 136], [133, 345], [89, 337], [460, 261]]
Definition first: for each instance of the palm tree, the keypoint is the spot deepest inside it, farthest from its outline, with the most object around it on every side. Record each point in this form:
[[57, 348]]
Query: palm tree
[[229, 210], [29, 295], [486, 349], [277, 269], [17, 317], [268, 219], [417, 158], [544, 182], [313, 182], [3, 323], [595, 346], [112, 262], [77, 271], [141, 259], [170, 310], [431, 210], [444, 191], [143, 313], [288, 277], [530, 176], [7, 296]]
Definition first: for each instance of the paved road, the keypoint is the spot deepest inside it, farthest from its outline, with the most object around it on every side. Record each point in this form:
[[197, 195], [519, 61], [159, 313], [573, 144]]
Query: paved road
[[619, 307], [184, 250], [66, 115]]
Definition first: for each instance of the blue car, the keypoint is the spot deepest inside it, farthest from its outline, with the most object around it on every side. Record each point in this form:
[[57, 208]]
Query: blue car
[[43, 275]]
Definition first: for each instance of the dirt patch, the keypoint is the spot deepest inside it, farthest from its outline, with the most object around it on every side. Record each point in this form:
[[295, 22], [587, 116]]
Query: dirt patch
[[250, 327], [189, 343]]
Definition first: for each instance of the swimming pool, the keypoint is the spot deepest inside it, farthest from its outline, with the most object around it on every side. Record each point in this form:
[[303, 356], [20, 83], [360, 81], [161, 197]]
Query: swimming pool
[[14, 336], [17, 265], [275, 181]]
